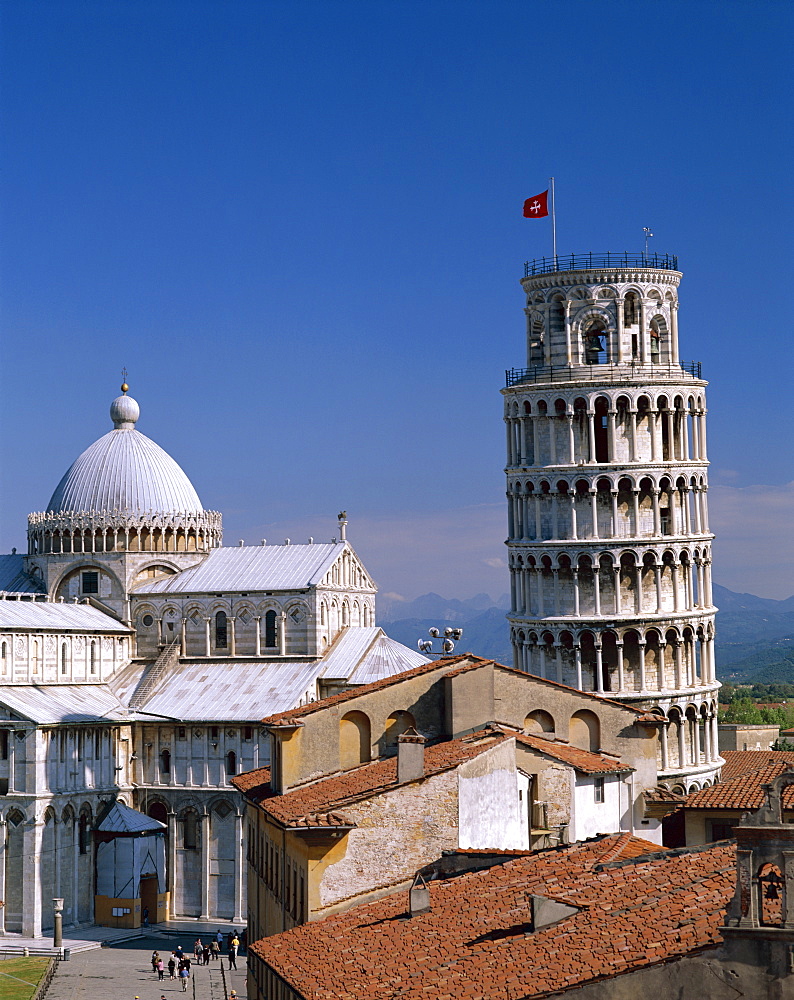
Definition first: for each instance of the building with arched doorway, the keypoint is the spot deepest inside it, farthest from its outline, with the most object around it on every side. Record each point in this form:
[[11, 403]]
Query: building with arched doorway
[[137, 656], [608, 532]]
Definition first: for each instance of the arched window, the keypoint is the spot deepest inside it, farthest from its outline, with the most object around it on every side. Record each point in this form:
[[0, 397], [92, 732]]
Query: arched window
[[354, 740], [539, 722], [631, 310], [158, 811], [165, 762], [270, 629], [231, 762], [585, 731], [190, 830], [536, 341], [4, 656], [64, 658], [220, 630], [396, 725], [93, 657], [36, 657], [595, 343], [83, 833]]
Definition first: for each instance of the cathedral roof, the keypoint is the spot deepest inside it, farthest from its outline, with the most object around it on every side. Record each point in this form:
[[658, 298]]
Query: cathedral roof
[[252, 567], [51, 704], [14, 579], [46, 615], [125, 471], [248, 690]]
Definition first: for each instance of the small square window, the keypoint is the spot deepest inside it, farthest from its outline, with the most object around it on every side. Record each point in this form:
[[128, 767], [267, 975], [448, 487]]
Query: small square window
[[598, 790], [90, 583], [181, 733]]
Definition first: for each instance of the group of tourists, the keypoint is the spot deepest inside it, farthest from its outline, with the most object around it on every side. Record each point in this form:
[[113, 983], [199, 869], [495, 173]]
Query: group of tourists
[[178, 964]]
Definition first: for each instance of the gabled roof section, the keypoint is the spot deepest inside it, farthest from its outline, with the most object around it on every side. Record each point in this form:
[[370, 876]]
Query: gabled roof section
[[745, 761], [14, 579], [295, 715], [477, 940], [333, 793], [637, 712], [745, 791], [252, 568], [123, 819], [449, 666], [376, 656], [565, 753], [48, 704], [62, 617]]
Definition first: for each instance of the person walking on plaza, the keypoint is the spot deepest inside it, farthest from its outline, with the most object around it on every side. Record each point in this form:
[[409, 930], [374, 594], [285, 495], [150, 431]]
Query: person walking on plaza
[[233, 955], [206, 954], [171, 966], [198, 949], [215, 948], [155, 957], [184, 972], [160, 969]]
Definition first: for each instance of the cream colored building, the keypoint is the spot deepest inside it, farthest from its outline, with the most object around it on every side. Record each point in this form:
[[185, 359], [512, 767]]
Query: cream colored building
[[137, 656], [609, 539]]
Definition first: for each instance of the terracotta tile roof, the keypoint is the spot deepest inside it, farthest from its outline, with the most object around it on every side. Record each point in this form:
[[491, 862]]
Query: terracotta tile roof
[[334, 792], [744, 791], [251, 779], [628, 847], [465, 661], [555, 684], [296, 714], [582, 760], [477, 940], [742, 761], [663, 795]]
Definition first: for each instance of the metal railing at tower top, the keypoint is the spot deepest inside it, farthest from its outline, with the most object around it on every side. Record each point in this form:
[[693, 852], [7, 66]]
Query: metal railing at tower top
[[588, 261], [626, 372]]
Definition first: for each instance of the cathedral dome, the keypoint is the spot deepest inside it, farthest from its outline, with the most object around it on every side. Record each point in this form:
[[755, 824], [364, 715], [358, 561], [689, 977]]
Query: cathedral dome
[[125, 472]]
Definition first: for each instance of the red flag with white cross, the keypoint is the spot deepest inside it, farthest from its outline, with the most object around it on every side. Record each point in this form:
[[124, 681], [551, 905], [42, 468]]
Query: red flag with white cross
[[537, 207]]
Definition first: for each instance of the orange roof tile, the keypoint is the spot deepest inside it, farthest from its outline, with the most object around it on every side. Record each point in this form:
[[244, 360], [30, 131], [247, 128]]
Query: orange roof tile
[[251, 779], [581, 760], [744, 791], [329, 794], [741, 761], [477, 939], [295, 714]]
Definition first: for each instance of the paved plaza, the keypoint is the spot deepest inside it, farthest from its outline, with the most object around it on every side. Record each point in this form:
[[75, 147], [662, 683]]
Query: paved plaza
[[123, 971]]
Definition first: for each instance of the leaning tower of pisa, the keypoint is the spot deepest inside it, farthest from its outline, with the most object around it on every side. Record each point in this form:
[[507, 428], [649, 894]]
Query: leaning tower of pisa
[[609, 542]]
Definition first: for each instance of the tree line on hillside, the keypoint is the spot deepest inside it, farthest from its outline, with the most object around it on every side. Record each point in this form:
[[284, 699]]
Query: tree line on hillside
[[750, 706]]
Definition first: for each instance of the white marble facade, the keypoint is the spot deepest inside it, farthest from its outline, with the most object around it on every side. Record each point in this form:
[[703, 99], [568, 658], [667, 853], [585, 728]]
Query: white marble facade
[[137, 656]]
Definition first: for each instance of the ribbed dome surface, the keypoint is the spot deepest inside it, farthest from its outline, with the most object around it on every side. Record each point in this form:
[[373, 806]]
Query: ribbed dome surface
[[127, 472]]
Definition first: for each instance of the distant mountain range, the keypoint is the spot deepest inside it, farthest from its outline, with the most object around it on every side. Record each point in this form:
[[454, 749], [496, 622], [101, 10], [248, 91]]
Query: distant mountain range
[[755, 635]]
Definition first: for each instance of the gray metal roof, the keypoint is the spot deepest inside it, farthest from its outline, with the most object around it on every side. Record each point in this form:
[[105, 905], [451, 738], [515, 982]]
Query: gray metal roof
[[244, 690], [385, 658], [252, 568], [55, 703], [123, 819], [231, 692], [46, 615], [14, 579], [127, 472]]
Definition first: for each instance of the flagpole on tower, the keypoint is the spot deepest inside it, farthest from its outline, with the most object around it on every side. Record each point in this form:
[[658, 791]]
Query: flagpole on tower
[[553, 225]]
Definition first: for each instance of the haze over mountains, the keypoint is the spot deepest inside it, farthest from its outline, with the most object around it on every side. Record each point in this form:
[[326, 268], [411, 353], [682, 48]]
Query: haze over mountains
[[755, 635]]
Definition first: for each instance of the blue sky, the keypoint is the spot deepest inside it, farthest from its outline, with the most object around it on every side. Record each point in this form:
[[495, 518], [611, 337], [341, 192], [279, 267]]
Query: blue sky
[[298, 224]]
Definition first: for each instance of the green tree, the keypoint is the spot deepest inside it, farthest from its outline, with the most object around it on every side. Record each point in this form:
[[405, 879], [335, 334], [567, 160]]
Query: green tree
[[743, 711]]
